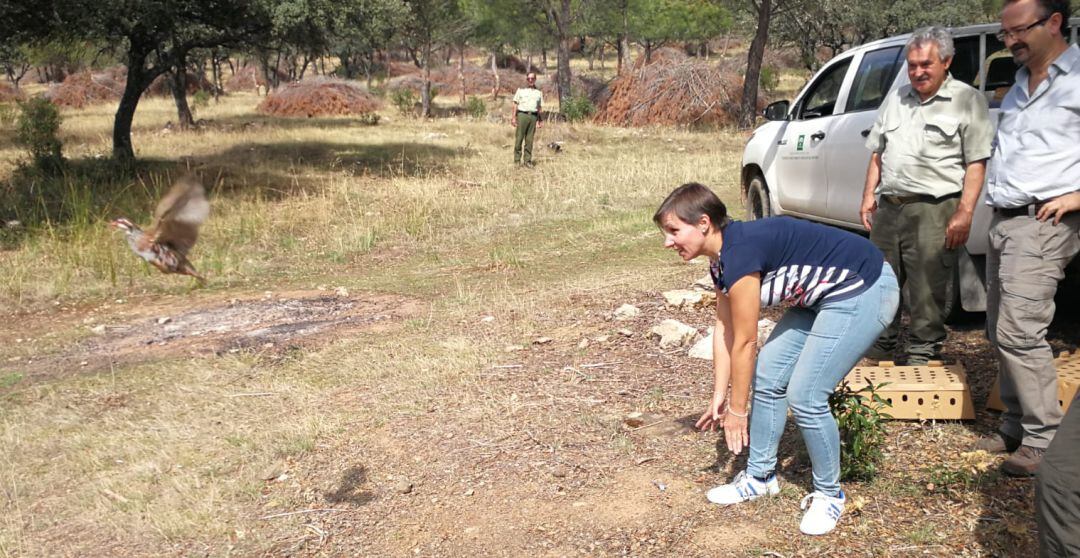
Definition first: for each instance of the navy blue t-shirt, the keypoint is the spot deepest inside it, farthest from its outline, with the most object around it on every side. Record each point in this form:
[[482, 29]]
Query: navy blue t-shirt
[[801, 263]]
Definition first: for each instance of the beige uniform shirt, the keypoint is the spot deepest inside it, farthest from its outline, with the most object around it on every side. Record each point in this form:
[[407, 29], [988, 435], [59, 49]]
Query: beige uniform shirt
[[528, 99], [925, 145]]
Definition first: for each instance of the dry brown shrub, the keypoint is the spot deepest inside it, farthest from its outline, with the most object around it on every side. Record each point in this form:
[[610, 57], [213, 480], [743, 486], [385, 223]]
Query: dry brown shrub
[[671, 89], [478, 81], [250, 77], [9, 93], [87, 88], [397, 69], [319, 97], [160, 85]]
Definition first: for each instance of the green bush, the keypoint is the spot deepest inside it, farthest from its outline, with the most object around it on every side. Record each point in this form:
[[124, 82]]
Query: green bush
[[39, 123], [404, 100], [475, 107], [577, 107], [862, 429], [200, 99], [769, 79]]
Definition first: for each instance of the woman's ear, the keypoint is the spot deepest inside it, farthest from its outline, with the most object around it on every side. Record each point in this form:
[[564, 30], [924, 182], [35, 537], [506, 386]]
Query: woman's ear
[[704, 224]]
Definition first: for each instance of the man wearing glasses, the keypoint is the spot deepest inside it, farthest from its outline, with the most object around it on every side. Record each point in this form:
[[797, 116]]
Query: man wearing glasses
[[526, 119], [1033, 184]]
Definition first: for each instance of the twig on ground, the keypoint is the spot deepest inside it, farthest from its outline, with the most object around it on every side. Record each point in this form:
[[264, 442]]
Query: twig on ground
[[258, 394], [648, 425], [299, 512]]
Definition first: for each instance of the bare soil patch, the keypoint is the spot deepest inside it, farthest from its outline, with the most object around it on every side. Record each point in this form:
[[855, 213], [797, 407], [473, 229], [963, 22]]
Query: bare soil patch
[[274, 323]]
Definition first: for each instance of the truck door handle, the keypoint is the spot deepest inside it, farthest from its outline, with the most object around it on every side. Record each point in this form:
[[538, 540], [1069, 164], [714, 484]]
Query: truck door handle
[[865, 132], [782, 142], [817, 135]]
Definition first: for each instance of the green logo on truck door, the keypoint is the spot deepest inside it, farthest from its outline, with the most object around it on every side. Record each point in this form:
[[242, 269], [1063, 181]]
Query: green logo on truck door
[[799, 146]]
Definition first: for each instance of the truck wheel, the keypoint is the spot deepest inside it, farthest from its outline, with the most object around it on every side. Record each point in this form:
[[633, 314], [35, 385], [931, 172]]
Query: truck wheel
[[757, 199]]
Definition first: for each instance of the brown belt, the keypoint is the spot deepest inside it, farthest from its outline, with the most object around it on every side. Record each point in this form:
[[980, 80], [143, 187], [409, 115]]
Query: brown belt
[[912, 198], [1030, 210]]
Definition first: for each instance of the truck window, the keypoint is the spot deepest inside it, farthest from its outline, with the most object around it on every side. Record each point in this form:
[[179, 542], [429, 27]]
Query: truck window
[[965, 64], [820, 99], [875, 75], [1000, 71]]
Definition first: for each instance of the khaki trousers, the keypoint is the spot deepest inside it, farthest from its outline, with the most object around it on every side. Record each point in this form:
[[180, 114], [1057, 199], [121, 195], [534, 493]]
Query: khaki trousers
[[1026, 261], [912, 237]]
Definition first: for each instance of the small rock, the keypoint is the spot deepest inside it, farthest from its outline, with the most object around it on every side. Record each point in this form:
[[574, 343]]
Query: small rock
[[659, 485], [626, 332], [513, 348], [272, 472], [487, 319], [559, 472], [164, 320], [626, 312], [13, 224], [705, 283], [703, 349], [471, 530], [635, 419], [602, 338], [341, 291], [469, 492], [98, 329], [583, 344], [403, 487], [542, 340], [674, 334]]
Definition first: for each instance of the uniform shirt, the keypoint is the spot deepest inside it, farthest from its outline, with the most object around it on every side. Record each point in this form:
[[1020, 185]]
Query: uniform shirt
[[528, 99], [801, 263], [1037, 146], [924, 145]]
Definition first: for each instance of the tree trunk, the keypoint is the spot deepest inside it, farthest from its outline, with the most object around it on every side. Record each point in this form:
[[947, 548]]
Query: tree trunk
[[495, 74], [138, 79], [543, 59], [748, 109], [425, 91], [528, 61], [561, 17], [603, 47], [648, 51], [178, 84], [461, 72]]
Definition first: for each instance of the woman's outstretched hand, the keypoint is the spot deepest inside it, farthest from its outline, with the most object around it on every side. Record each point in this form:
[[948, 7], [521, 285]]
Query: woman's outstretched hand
[[735, 433], [714, 415]]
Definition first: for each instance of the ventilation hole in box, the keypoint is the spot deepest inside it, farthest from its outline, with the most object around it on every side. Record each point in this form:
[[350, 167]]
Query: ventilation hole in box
[[936, 397], [889, 400], [952, 401], [920, 401], [904, 397]]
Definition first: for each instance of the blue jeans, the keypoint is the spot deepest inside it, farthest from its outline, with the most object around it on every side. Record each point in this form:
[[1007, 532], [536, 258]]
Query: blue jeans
[[807, 355]]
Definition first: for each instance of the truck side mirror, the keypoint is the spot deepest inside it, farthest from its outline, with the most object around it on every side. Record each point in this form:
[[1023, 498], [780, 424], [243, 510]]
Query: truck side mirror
[[776, 111]]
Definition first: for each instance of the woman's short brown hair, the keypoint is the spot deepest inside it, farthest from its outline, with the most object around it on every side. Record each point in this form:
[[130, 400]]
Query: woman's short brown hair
[[689, 202]]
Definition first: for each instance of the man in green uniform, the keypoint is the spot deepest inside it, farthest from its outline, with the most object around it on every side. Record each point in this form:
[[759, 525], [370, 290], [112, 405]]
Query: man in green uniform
[[526, 119], [930, 143]]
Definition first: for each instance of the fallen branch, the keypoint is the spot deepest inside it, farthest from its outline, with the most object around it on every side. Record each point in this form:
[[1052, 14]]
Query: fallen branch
[[258, 394]]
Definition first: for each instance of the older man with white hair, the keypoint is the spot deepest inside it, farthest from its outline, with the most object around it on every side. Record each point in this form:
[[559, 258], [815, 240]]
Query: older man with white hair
[[930, 143]]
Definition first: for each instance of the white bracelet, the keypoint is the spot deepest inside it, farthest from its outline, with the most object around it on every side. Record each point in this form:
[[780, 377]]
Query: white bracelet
[[731, 412]]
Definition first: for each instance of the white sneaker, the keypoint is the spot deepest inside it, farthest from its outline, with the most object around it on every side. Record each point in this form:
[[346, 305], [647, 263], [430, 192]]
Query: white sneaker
[[823, 514], [743, 489]]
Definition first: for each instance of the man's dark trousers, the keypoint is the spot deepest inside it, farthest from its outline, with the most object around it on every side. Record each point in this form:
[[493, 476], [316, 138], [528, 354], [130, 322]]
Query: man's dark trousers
[[1057, 491], [523, 139]]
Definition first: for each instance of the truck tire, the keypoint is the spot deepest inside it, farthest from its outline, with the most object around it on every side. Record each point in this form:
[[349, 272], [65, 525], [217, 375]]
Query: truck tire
[[757, 199]]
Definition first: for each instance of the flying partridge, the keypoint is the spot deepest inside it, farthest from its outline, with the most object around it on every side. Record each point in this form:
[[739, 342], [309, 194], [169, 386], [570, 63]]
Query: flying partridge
[[166, 243]]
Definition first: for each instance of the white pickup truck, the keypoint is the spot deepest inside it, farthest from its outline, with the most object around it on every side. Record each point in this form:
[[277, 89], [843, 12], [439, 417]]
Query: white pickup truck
[[809, 160]]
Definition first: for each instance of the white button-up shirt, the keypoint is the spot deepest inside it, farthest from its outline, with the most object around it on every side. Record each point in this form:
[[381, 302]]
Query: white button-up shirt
[[1037, 145]]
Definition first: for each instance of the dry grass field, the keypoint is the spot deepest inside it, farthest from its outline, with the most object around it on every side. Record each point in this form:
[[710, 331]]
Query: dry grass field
[[406, 348]]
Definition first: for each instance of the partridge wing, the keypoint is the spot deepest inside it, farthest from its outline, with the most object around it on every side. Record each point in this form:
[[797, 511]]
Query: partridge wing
[[180, 213]]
